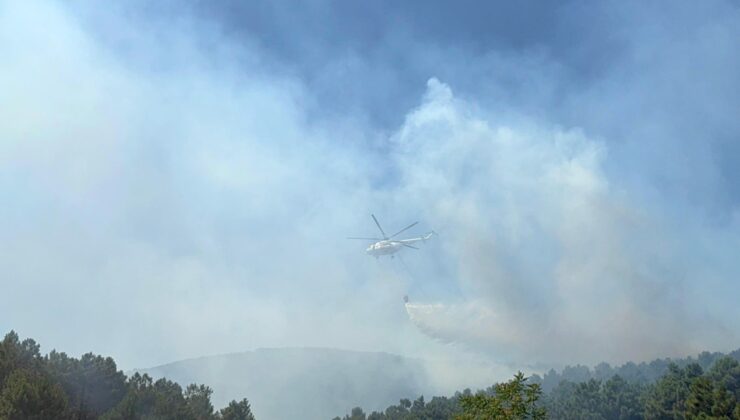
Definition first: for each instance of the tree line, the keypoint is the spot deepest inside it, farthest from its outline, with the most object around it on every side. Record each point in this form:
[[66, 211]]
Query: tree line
[[706, 387], [643, 373], [57, 386]]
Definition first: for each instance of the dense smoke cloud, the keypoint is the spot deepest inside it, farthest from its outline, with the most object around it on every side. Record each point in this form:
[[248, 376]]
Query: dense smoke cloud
[[558, 263], [181, 188], [176, 211]]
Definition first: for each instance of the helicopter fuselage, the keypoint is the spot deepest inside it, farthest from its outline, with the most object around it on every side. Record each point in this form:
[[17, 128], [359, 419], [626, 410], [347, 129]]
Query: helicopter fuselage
[[384, 248], [389, 246]]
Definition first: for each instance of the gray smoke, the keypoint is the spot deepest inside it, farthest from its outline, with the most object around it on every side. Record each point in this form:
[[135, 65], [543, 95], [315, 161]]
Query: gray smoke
[[557, 263], [180, 184]]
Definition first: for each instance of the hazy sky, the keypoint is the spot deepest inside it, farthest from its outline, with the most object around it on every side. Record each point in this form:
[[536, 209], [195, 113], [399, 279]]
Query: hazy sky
[[178, 179]]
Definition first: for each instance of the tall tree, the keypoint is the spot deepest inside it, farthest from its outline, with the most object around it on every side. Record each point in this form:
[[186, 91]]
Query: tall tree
[[28, 395], [198, 400], [667, 398], [510, 400], [16, 354], [93, 383], [237, 411]]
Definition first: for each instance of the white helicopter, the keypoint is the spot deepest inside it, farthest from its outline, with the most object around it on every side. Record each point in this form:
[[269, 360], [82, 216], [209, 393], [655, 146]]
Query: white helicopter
[[389, 246]]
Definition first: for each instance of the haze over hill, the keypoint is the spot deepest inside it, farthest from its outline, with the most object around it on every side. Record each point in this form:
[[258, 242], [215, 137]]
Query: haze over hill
[[313, 383]]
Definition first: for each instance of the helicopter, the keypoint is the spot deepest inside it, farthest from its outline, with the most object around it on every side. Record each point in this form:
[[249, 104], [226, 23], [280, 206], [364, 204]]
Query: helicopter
[[389, 246]]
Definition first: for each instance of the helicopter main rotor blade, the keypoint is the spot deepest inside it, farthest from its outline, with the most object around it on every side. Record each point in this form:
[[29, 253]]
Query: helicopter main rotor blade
[[408, 246], [381, 229], [404, 229], [366, 239]]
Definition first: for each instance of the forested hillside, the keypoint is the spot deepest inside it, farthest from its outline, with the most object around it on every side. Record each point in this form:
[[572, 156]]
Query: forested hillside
[[705, 387], [322, 382], [642, 373], [56, 386]]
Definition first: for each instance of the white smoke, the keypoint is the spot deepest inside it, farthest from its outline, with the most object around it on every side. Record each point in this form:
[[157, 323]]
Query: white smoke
[[556, 264], [172, 199]]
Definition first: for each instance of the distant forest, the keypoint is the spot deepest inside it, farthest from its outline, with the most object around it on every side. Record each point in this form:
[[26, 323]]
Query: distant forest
[[57, 386], [705, 387]]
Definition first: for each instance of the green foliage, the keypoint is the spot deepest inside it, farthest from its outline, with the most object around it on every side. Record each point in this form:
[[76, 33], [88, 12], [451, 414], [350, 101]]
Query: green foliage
[[621, 399], [642, 373], [15, 354], [707, 387], [198, 401], [57, 386], [92, 383], [356, 414], [439, 408], [31, 395], [667, 398], [681, 393], [613, 399], [510, 400], [147, 399], [61, 387], [716, 394], [237, 411]]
